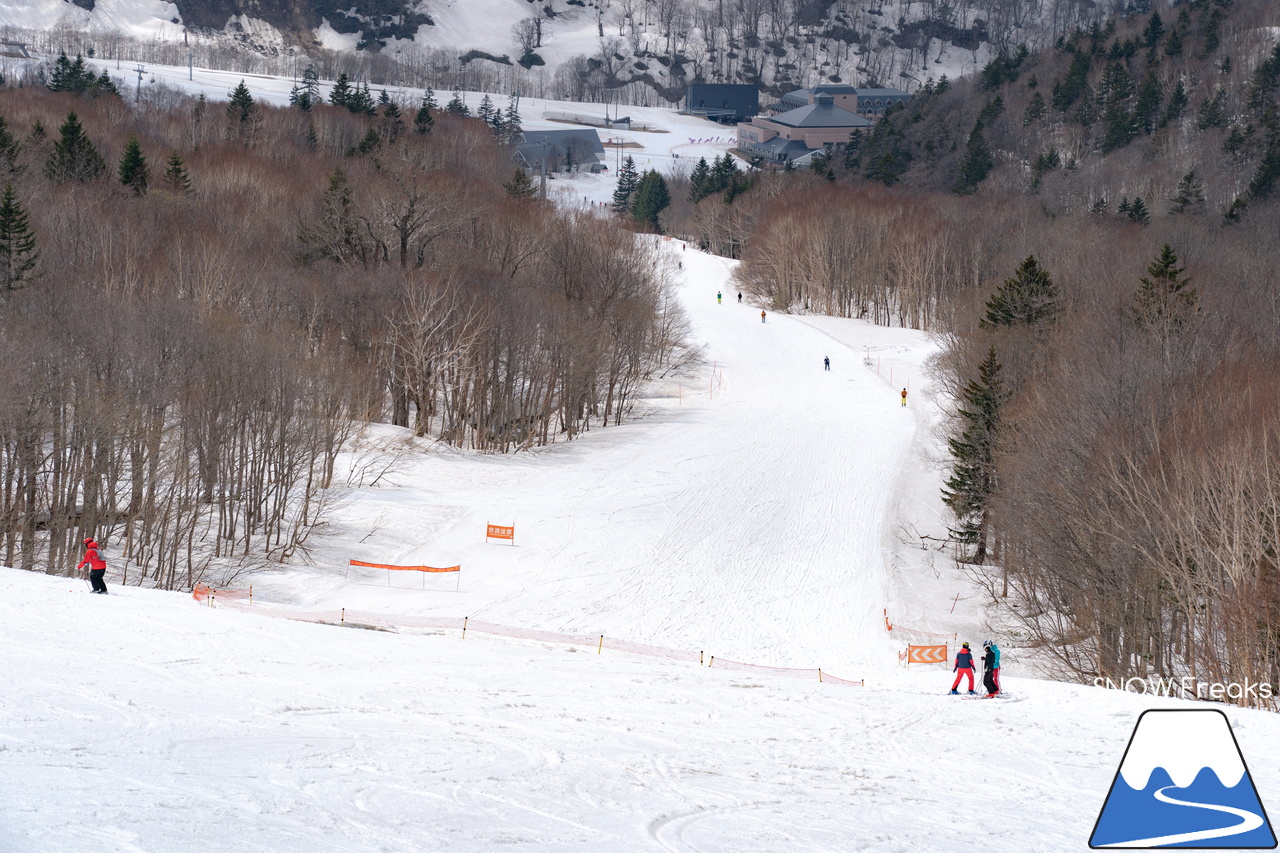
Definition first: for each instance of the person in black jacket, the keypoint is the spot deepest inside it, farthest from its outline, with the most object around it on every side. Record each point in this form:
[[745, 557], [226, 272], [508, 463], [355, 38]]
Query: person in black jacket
[[963, 667], [989, 663]]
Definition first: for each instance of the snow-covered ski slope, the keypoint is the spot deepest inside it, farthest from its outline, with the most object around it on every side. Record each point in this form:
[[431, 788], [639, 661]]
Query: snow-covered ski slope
[[755, 513]]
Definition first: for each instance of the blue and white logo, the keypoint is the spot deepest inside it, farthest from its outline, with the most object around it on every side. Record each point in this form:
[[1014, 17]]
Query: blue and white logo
[[1183, 783]]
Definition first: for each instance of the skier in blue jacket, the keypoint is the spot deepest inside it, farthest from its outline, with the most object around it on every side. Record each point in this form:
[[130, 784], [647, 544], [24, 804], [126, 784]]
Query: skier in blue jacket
[[963, 667]]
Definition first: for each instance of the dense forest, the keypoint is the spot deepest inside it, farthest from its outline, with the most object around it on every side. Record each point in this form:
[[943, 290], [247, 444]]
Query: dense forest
[[1092, 231], [201, 303]]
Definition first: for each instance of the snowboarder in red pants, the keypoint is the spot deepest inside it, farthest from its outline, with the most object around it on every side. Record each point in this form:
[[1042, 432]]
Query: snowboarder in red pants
[[97, 565], [963, 667]]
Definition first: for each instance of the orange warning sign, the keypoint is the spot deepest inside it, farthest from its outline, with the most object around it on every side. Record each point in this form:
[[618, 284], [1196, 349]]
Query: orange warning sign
[[927, 654], [497, 531]]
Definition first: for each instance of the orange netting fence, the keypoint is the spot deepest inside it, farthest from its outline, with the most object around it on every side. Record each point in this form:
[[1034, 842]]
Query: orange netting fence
[[242, 600], [424, 570]]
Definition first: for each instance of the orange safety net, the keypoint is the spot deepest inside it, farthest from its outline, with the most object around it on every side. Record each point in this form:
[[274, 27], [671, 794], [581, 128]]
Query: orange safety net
[[404, 568], [239, 599]]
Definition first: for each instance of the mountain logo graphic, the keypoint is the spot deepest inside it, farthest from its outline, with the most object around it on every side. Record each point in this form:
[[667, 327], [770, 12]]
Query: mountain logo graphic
[[1183, 783]]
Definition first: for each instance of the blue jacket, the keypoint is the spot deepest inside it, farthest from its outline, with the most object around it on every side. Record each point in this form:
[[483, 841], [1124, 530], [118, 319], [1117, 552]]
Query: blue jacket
[[996, 649], [964, 660]]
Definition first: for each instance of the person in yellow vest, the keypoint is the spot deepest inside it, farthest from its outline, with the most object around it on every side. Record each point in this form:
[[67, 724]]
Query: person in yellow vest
[[904, 396]]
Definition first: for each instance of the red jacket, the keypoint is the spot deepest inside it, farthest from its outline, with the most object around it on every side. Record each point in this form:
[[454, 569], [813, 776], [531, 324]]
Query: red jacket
[[92, 558]]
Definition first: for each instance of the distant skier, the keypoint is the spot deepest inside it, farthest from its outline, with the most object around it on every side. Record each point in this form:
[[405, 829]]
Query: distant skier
[[97, 565], [739, 298], [963, 667], [904, 397], [826, 363], [761, 316], [991, 668], [717, 297]]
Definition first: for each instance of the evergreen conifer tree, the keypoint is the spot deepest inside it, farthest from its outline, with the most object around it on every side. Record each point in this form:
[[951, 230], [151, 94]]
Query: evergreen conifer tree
[[486, 111], [18, 254], [651, 198], [1190, 195], [977, 162], [306, 93], [1177, 105], [1268, 168], [1146, 110], [1029, 298], [972, 483], [1164, 300], [628, 180], [73, 157], [240, 109], [1139, 212], [698, 180], [457, 106], [423, 121], [340, 94], [512, 127], [1213, 110], [10, 149], [520, 185], [176, 178], [133, 166], [1036, 110]]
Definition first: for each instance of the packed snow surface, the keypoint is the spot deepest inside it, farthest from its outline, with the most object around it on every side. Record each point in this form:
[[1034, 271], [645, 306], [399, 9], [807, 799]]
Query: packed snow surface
[[763, 510]]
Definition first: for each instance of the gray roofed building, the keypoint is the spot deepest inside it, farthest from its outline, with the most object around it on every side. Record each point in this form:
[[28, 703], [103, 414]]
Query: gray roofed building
[[565, 149], [869, 103], [823, 113]]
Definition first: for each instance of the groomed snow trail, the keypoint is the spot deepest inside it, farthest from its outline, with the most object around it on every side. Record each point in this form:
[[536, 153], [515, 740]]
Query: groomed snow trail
[[745, 518]]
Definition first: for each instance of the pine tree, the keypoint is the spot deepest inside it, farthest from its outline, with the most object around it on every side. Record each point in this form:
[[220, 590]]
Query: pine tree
[[1177, 105], [1213, 110], [429, 99], [512, 127], [1164, 300], [1190, 197], [133, 166], [1036, 110], [240, 109], [361, 101], [73, 157], [977, 163], [423, 121], [698, 180], [10, 150], [176, 178], [628, 180], [337, 235], [340, 94], [1148, 105], [972, 483], [486, 111], [1139, 212], [1268, 169], [520, 185], [651, 198], [1029, 298], [391, 122], [18, 254], [306, 93], [457, 106]]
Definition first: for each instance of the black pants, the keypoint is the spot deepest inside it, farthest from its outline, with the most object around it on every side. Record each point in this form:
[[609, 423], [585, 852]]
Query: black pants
[[95, 578], [989, 681]]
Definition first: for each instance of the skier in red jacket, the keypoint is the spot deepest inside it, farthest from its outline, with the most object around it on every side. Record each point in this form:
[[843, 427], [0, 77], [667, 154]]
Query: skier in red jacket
[[97, 565], [963, 667]]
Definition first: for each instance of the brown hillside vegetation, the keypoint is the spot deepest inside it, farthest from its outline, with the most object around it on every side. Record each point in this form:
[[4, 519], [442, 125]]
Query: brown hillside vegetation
[[188, 353]]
